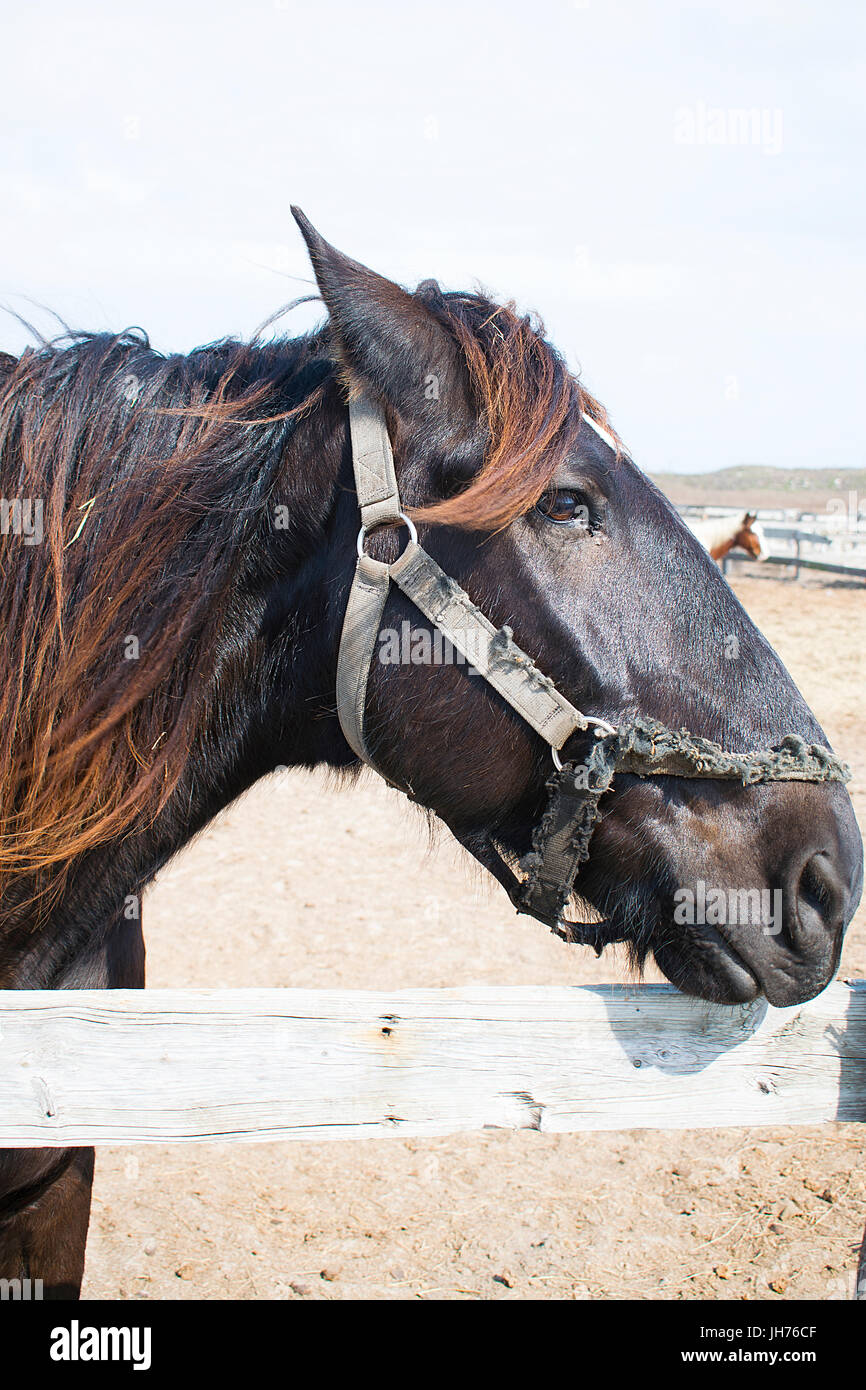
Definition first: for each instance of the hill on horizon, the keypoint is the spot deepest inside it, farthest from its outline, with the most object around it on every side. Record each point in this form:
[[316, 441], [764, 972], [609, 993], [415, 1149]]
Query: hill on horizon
[[757, 485]]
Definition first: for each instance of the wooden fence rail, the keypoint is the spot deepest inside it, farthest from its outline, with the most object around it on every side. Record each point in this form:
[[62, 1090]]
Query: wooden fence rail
[[123, 1066]]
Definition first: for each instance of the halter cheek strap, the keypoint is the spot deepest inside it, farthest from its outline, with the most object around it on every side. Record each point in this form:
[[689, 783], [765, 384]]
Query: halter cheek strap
[[644, 748]]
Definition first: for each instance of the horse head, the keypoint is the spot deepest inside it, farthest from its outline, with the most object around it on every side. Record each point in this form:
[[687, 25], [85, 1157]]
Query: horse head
[[523, 494], [751, 538]]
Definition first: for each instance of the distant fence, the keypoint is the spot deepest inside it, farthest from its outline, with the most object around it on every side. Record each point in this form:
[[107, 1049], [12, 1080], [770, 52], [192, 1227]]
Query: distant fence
[[803, 562], [129, 1066]]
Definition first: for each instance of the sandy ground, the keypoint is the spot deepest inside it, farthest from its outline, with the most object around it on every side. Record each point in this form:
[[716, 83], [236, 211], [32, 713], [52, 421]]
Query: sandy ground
[[288, 888]]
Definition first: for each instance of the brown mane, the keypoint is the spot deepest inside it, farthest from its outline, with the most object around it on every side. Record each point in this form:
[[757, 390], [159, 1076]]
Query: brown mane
[[152, 472]]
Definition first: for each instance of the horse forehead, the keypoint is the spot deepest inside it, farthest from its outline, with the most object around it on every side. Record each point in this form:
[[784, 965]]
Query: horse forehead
[[594, 455], [593, 447], [604, 435]]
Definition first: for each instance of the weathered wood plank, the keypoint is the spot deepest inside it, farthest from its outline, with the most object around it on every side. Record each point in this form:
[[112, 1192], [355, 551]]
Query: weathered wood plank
[[78, 1067]]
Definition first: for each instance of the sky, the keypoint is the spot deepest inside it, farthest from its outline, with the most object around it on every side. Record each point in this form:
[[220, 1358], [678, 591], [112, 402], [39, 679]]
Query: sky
[[676, 188]]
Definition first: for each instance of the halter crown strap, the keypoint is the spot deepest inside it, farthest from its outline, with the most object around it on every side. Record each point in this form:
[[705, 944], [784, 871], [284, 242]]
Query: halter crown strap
[[373, 462], [379, 503]]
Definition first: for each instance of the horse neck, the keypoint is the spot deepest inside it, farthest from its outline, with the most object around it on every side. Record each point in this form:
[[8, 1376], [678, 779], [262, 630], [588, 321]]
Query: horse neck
[[272, 700], [723, 548], [717, 534]]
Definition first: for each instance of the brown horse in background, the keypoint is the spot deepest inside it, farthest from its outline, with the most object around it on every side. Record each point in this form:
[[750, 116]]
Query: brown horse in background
[[721, 535]]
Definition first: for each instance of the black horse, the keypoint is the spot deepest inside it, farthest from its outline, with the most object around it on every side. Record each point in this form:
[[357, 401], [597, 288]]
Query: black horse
[[178, 544]]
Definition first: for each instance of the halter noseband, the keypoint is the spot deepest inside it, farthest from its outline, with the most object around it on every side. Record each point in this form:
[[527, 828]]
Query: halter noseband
[[560, 840]]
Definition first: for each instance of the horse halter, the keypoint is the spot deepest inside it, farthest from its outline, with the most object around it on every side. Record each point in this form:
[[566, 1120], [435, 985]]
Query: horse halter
[[560, 840]]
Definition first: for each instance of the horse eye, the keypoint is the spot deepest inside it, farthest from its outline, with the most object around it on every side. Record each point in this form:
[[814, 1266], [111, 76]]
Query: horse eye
[[563, 505]]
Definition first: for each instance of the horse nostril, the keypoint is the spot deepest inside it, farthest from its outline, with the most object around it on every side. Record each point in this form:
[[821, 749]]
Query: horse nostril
[[820, 894]]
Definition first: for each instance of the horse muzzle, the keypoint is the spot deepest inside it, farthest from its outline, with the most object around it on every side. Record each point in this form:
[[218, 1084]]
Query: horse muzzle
[[763, 905]]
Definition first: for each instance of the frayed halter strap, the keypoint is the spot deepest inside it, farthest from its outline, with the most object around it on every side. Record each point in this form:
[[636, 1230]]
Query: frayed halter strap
[[560, 841]]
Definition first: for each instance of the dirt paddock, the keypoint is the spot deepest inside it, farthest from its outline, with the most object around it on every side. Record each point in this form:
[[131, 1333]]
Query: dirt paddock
[[289, 888]]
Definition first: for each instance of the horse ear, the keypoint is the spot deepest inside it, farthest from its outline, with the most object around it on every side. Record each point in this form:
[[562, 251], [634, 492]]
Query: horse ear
[[750, 518], [387, 339]]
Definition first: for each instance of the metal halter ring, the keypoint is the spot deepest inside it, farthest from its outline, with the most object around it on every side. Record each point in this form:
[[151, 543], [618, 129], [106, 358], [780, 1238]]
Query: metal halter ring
[[602, 730], [400, 517]]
